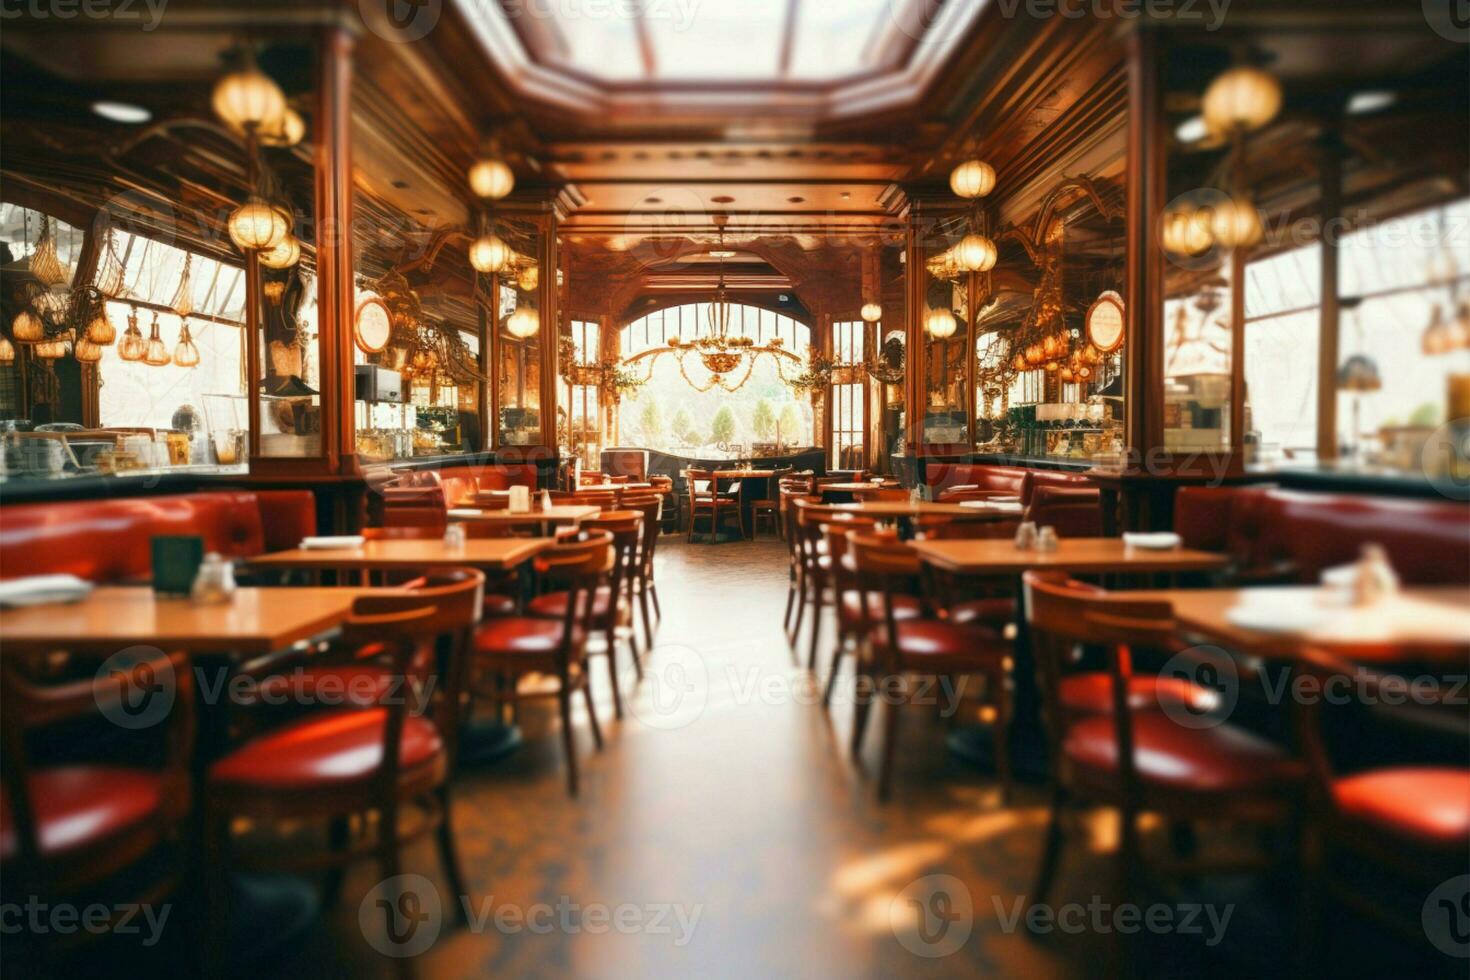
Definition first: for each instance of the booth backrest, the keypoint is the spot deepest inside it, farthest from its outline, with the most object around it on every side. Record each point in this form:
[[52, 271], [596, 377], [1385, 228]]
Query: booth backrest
[[109, 540], [1035, 479], [980, 476], [422, 498], [1075, 512], [1265, 528]]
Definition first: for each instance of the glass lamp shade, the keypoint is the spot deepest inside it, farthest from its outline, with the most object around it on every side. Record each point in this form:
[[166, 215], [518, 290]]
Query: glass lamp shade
[[1359, 373], [1438, 337], [154, 352], [1236, 223], [976, 253], [256, 225], [88, 352], [132, 345], [940, 324], [283, 255], [185, 353], [1018, 363], [249, 100], [973, 178], [7, 350], [1186, 231], [290, 130], [54, 347], [100, 331], [1034, 355], [492, 179], [529, 278], [872, 312], [489, 253], [523, 323], [27, 328], [1241, 99]]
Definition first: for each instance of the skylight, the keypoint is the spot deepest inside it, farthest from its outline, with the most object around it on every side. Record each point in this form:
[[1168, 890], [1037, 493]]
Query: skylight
[[748, 41]]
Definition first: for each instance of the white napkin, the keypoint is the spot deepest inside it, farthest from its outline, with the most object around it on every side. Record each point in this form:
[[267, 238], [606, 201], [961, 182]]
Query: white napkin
[[35, 590], [1154, 541], [1271, 611], [465, 512], [1003, 506], [333, 542]]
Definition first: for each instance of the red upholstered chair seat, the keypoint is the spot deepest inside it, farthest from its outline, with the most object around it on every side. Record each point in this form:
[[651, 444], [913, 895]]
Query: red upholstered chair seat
[[1424, 805], [81, 807], [905, 607], [1218, 759], [321, 750], [499, 605], [530, 643], [1091, 693], [553, 605], [940, 646], [994, 613]]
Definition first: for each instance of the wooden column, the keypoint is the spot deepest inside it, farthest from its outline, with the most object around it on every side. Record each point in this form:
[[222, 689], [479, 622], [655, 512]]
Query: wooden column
[[1329, 332], [335, 289], [915, 394], [1143, 363], [547, 305]]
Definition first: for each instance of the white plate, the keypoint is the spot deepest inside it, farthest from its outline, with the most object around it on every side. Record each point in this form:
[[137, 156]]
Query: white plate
[[37, 590], [1277, 616], [1157, 541], [333, 542]]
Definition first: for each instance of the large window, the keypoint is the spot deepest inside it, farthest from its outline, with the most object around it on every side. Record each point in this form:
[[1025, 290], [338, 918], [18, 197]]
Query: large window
[[667, 413], [849, 396], [1282, 325]]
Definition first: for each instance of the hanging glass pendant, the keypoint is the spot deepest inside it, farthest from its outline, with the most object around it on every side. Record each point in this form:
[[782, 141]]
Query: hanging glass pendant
[[155, 353], [87, 352], [285, 253], [53, 348], [7, 350], [45, 265], [100, 331], [249, 100], [258, 225], [186, 354], [27, 328], [131, 347]]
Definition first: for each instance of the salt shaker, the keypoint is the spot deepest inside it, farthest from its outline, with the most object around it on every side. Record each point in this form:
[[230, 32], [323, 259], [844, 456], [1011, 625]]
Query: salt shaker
[[454, 537], [1046, 539], [215, 580], [1375, 578], [1026, 536], [545, 499]]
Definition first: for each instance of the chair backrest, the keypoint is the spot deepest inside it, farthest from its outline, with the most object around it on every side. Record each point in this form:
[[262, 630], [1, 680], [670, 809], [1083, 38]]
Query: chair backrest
[[883, 566], [580, 565], [650, 505], [27, 707]]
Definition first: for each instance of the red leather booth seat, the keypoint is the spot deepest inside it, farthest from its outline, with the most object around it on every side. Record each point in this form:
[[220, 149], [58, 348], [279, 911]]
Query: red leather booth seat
[[423, 497], [109, 540], [1075, 512], [1019, 480], [1267, 529]]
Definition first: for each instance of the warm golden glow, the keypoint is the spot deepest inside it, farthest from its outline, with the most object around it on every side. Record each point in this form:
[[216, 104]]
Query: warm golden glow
[[131, 347], [283, 255], [186, 354], [1186, 231], [523, 323], [492, 178], [940, 324], [1236, 223], [100, 332], [1241, 99], [27, 328], [489, 253], [529, 278], [249, 100], [259, 226], [88, 352], [154, 352], [7, 350], [872, 312], [290, 131], [976, 253], [973, 178], [53, 348]]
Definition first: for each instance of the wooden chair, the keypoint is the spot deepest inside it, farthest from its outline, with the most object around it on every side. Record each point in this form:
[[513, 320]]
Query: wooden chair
[[612, 605], [344, 763], [75, 829], [795, 584], [770, 507], [921, 645], [1127, 753], [815, 565], [1381, 839], [644, 582], [509, 648], [713, 502]]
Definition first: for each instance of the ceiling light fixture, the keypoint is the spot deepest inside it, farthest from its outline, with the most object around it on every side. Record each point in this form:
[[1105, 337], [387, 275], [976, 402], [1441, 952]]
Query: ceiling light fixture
[[122, 112]]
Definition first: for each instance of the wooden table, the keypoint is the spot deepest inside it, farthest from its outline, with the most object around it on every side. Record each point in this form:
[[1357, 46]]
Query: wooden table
[[555, 514], [1000, 557], [1425, 619], [747, 474], [497, 554], [111, 618], [925, 508], [605, 487]]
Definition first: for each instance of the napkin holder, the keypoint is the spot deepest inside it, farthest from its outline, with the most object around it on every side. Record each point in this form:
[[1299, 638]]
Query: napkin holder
[[520, 500], [176, 561]]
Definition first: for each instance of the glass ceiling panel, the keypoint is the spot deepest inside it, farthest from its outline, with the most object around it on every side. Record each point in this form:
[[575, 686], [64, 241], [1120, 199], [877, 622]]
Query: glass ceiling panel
[[717, 41], [836, 39], [601, 38]]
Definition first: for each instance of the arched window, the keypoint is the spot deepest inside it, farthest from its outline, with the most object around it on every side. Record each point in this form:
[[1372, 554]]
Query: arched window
[[668, 413]]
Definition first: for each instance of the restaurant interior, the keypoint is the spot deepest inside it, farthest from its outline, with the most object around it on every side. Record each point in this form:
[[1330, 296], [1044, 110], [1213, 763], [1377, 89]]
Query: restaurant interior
[[640, 488]]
